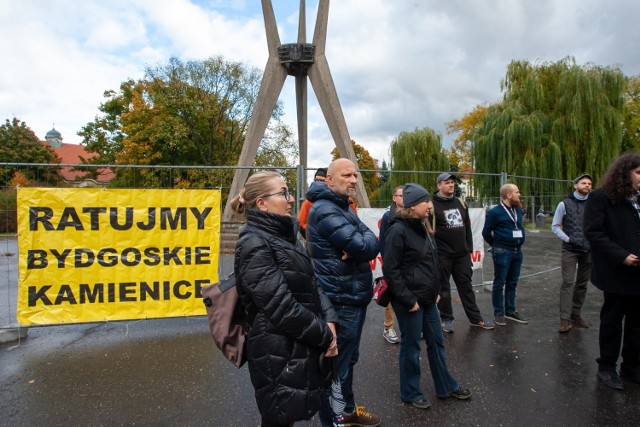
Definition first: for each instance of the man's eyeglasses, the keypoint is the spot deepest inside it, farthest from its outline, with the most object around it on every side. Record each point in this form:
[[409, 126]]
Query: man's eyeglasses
[[284, 193]]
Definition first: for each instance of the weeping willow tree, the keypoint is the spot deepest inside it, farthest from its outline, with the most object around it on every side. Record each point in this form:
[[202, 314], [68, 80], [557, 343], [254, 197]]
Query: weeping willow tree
[[414, 152], [556, 120]]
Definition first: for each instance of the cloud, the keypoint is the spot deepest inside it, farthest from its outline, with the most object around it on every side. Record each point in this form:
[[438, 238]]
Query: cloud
[[397, 65]]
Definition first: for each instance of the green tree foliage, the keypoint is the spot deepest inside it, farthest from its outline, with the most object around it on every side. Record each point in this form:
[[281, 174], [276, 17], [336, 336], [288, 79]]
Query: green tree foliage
[[414, 153], [368, 168], [631, 131], [555, 121], [19, 144], [384, 172], [181, 113], [279, 148], [460, 152], [104, 135]]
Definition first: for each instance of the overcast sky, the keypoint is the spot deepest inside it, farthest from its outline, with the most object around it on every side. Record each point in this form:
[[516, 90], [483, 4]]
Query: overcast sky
[[396, 64]]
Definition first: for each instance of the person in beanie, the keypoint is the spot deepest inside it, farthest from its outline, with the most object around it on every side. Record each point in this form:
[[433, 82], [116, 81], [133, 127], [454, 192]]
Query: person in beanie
[[567, 225], [455, 244], [612, 227], [411, 269]]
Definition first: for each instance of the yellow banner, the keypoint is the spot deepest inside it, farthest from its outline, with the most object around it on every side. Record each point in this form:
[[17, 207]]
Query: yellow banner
[[90, 255]]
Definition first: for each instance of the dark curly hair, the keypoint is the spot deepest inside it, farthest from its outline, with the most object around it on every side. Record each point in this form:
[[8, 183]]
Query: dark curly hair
[[616, 182]]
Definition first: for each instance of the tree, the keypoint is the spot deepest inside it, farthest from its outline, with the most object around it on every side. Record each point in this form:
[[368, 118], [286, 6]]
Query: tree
[[631, 130], [368, 168], [104, 135], [278, 148], [180, 113], [556, 120], [19, 144], [460, 152], [412, 153], [384, 172]]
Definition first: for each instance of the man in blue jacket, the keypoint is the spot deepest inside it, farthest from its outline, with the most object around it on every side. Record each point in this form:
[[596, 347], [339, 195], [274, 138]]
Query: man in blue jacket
[[341, 247], [504, 232]]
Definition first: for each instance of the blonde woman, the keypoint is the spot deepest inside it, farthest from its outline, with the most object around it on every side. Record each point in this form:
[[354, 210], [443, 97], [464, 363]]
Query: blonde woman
[[292, 321]]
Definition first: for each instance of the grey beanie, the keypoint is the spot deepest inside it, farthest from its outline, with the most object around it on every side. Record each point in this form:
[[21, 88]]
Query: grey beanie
[[413, 193]]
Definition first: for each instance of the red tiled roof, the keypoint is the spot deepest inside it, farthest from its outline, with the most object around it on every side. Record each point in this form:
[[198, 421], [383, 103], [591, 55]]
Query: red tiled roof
[[71, 153]]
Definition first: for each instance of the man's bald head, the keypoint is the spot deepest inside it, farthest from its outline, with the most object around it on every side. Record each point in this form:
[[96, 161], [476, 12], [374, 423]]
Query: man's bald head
[[342, 176], [510, 195]]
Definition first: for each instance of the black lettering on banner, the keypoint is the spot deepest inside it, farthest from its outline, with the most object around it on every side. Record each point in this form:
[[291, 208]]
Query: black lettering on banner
[[36, 258], [152, 257], [94, 216], [151, 217], [65, 295], [126, 290], [128, 221], [172, 255], [145, 290], [89, 295], [38, 294], [61, 257], [107, 257], [40, 215], [202, 255], [201, 216], [124, 257], [130, 257], [166, 286], [116, 292], [199, 284], [176, 289], [70, 218], [167, 217], [81, 261], [187, 256], [111, 292]]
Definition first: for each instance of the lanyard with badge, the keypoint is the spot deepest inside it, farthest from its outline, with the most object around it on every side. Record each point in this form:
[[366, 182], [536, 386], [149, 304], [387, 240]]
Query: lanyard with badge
[[517, 233]]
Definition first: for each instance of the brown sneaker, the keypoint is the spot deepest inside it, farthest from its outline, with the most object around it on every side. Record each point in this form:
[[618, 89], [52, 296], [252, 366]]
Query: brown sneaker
[[361, 418], [577, 320], [565, 326]]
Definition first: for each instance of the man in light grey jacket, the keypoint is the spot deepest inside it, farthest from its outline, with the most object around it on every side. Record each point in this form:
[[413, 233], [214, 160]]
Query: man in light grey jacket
[[576, 253]]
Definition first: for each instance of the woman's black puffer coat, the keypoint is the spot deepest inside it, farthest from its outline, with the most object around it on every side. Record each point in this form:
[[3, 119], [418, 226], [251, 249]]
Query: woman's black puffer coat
[[410, 262], [288, 313]]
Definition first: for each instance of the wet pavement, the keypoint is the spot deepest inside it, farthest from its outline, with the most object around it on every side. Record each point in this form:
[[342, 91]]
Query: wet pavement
[[168, 372]]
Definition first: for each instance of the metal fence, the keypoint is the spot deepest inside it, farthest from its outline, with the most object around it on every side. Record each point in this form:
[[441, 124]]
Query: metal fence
[[477, 189]]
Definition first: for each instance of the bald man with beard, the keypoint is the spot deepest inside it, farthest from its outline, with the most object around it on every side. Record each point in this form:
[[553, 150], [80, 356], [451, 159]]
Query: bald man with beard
[[341, 246], [504, 232]]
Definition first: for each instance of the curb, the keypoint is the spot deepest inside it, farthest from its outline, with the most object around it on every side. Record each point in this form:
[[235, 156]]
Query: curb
[[13, 334]]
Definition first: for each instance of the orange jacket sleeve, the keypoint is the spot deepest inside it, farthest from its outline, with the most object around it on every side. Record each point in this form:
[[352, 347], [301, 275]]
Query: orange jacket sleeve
[[304, 212]]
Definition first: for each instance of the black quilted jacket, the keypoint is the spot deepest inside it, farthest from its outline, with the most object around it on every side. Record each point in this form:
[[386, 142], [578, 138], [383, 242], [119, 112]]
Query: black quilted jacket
[[289, 332]]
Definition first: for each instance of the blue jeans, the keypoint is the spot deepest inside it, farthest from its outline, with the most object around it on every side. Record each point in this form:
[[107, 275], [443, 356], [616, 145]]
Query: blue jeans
[[506, 268], [426, 321], [349, 330]]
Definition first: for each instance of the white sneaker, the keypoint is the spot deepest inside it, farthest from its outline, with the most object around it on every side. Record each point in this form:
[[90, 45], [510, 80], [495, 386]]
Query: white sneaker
[[391, 336]]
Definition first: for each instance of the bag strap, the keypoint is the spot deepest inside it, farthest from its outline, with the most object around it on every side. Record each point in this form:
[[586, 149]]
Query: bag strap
[[227, 283]]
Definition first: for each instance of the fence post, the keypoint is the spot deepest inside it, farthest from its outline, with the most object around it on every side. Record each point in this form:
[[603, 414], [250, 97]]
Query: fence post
[[503, 178], [301, 187]]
